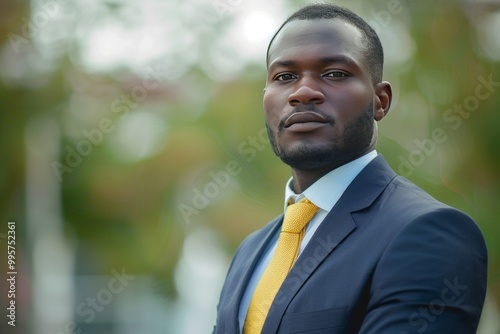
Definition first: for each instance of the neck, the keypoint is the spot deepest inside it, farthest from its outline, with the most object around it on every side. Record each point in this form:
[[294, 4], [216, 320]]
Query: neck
[[303, 179]]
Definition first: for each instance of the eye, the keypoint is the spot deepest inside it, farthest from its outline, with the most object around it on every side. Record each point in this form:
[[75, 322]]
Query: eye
[[336, 74], [284, 77]]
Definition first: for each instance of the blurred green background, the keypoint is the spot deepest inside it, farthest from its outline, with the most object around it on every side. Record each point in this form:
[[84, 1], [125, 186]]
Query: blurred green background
[[135, 159]]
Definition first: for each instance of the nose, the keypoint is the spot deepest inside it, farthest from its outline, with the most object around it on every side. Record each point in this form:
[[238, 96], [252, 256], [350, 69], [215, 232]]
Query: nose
[[307, 92]]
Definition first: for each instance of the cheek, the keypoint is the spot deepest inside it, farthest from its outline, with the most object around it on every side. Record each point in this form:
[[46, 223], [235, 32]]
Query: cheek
[[352, 95], [351, 102], [272, 108]]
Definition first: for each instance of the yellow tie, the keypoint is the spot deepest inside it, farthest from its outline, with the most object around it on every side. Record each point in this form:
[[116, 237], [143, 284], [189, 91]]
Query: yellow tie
[[296, 218]]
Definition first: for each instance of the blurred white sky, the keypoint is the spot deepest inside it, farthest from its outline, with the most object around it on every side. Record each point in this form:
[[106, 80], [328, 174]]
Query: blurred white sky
[[105, 36], [219, 36]]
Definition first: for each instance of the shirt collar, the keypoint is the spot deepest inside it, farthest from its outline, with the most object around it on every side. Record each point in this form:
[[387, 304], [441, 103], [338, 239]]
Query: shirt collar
[[333, 183]]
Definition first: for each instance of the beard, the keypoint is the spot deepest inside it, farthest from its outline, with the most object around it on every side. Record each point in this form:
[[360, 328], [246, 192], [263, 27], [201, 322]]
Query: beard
[[356, 139]]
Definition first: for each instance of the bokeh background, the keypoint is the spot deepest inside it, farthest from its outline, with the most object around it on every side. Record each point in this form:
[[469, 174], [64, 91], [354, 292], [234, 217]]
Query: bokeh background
[[134, 158]]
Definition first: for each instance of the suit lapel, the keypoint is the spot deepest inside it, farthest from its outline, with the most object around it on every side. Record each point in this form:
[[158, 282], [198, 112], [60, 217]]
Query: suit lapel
[[257, 244], [336, 226]]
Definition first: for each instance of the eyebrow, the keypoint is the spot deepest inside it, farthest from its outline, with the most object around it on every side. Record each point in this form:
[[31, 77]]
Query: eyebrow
[[325, 60]]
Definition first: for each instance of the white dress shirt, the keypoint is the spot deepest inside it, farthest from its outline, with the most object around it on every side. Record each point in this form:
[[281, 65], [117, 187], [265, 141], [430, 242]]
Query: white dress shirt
[[334, 184]]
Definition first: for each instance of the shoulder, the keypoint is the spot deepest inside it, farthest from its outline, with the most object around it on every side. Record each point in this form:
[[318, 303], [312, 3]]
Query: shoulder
[[403, 200], [416, 210], [393, 195], [397, 209], [436, 236], [408, 197]]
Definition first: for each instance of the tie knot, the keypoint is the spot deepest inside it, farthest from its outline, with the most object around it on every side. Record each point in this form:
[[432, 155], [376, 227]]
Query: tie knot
[[298, 215]]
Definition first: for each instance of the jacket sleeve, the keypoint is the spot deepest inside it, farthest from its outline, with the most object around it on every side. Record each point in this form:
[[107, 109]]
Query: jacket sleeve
[[430, 279]]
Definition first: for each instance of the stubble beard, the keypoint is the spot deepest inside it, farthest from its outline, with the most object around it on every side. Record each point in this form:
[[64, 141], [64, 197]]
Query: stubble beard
[[356, 141]]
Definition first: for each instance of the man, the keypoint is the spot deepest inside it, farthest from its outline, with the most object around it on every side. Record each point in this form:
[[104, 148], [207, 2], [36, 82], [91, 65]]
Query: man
[[379, 255]]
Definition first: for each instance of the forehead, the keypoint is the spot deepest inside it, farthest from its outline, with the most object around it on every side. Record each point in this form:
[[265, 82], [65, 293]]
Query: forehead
[[321, 38]]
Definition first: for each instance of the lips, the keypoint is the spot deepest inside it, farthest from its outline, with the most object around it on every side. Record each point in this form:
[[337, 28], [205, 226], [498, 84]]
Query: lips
[[304, 121]]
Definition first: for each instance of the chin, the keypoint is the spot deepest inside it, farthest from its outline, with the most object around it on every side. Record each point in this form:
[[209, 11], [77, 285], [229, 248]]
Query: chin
[[319, 158], [310, 159]]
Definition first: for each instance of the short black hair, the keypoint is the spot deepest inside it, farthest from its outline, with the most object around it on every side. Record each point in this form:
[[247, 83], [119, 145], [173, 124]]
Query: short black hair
[[374, 52]]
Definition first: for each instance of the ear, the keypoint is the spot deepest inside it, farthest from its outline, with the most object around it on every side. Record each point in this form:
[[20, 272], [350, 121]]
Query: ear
[[383, 99]]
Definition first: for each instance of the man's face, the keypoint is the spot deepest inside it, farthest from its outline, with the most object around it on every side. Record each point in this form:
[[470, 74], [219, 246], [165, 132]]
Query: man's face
[[319, 95]]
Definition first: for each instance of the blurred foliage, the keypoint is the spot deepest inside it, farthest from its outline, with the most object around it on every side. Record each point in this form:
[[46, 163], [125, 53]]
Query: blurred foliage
[[135, 211]]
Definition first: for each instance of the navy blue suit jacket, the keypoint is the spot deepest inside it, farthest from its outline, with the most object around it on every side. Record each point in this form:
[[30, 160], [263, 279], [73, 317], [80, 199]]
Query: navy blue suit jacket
[[388, 258]]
